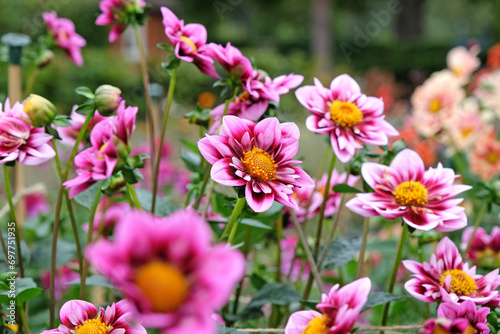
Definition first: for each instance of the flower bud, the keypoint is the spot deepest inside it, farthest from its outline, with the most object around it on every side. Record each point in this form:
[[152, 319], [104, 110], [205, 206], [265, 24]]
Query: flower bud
[[45, 59], [40, 111], [107, 99]]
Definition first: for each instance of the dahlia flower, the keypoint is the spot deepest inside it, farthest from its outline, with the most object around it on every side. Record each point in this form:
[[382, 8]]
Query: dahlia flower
[[351, 118], [189, 42], [485, 156], [423, 198], [65, 36], [485, 248], [488, 90], [79, 316], [446, 326], [21, 141], [466, 310], [333, 200], [107, 218], [114, 12], [447, 278], [68, 134], [232, 60], [435, 102], [340, 310], [258, 156], [462, 62], [308, 200], [171, 273], [36, 204], [292, 266], [64, 275]]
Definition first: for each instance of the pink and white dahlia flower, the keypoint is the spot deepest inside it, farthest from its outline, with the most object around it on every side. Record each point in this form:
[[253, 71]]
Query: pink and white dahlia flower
[[20, 141], [351, 118], [446, 326], [485, 156], [114, 12], [485, 248], [462, 62], [447, 278], [340, 310], [170, 272], [423, 198], [190, 42], [79, 316], [466, 310], [258, 156], [65, 36]]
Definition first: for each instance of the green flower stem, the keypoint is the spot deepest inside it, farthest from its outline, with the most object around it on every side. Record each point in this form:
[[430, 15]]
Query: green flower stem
[[479, 219], [320, 170], [133, 195], [226, 108], [394, 272], [245, 250], [279, 236], [24, 321], [14, 220], [70, 208], [57, 218], [203, 186], [170, 97], [89, 240], [147, 93], [361, 258], [31, 81], [240, 204], [4, 247]]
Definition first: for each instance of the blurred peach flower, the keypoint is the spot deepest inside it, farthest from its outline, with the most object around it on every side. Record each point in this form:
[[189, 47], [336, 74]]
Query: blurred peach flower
[[485, 158], [462, 62]]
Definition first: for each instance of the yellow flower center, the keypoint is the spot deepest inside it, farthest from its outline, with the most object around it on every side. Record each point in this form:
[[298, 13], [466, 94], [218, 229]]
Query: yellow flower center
[[411, 193], [318, 325], [458, 71], [461, 283], [466, 131], [103, 147], [165, 286], [492, 157], [14, 328], [260, 164], [435, 105], [346, 114], [92, 326], [243, 97], [189, 42], [469, 330], [440, 330]]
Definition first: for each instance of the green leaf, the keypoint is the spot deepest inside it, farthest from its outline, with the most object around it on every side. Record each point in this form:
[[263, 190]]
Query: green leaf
[[94, 280], [87, 197], [398, 146], [61, 120], [163, 206], [380, 298], [192, 161], [85, 91], [493, 320], [86, 108], [257, 281], [341, 251], [226, 330], [28, 294], [274, 293], [310, 303], [255, 223], [165, 47], [345, 188], [191, 146]]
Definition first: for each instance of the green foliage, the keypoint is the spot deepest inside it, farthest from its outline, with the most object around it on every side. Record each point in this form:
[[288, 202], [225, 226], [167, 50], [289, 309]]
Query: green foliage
[[341, 251], [380, 298]]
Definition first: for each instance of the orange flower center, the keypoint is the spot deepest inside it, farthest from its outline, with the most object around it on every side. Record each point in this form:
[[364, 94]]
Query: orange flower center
[[92, 326], [345, 114], [492, 157], [318, 325], [440, 330], [243, 97], [189, 42], [461, 283], [469, 330], [435, 105], [466, 131], [260, 164], [164, 285], [411, 193]]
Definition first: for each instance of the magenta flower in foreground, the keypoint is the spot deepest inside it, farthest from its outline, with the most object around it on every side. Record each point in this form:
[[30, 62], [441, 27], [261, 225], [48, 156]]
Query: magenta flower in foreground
[[258, 156], [190, 42], [424, 198], [446, 326], [170, 272], [114, 12], [232, 60], [447, 278], [65, 36], [20, 141], [79, 316], [466, 310], [340, 310], [351, 118]]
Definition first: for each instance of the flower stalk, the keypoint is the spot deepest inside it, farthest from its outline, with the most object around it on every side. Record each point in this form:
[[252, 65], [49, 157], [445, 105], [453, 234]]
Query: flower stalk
[[231, 224]]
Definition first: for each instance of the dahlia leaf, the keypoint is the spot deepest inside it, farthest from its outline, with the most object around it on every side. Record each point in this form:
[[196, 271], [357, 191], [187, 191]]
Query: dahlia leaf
[[341, 251], [380, 298]]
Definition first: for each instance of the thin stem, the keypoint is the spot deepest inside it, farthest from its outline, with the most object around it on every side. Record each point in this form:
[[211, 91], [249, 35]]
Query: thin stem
[[310, 258], [170, 97], [89, 240], [226, 108], [13, 217], [279, 236], [336, 221], [149, 101], [4, 247], [317, 177], [24, 321], [133, 196], [361, 259], [394, 272], [210, 190], [479, 219], [203, 186], [246, 250], [240, 204], [31, 81]]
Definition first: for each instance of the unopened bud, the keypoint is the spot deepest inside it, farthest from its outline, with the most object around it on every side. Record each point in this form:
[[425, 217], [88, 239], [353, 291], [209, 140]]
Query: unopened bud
[[45, 59], [107, 99], [40, 111]]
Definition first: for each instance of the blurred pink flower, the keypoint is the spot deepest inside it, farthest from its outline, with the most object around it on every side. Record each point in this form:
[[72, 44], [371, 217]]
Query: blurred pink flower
[[305, 203], [36, 204], [170, 272], [424, 199], [79, 316], [435, 102], [64, 33], [189, 41], [484, 159], [259, 157], [64, 275], [350, 118], [485, 248], [21, 141], [447, 278], [488, 90], [445, 326], [114, 12], [340, 310], [291, 265], [462, 62], [467, 310], [107, 218], [232, 60], [68, 134], [333, 200]]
